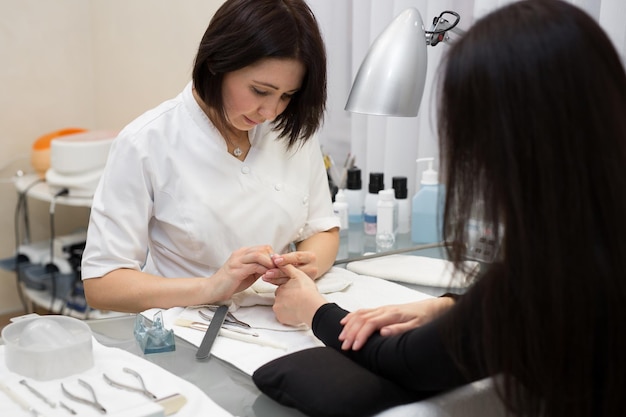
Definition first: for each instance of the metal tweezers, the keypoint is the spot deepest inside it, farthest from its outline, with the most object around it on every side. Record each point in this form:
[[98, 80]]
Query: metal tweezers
[[230, 318], [119, 385], [93, 403]]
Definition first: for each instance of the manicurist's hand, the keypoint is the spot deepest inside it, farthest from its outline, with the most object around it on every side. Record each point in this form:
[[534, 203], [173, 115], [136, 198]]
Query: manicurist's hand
[[297, 299], [389, 320], [242, 269], [133, 291]]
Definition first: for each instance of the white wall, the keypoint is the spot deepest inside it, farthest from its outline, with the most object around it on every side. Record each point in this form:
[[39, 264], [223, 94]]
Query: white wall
[[84, 63], [144, 53]]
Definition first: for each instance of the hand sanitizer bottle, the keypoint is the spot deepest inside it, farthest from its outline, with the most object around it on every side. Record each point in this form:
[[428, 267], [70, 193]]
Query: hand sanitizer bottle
[[427, 207]]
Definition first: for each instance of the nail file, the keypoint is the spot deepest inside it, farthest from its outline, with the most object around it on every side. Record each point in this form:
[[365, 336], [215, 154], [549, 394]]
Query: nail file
[[172, 404], [214, 328]]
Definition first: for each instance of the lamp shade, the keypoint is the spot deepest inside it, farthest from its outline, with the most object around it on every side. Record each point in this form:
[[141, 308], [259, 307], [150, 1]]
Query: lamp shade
[[390, 81]]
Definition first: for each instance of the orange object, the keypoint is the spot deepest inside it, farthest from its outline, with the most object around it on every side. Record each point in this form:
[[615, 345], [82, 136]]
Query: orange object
[[40, 153]]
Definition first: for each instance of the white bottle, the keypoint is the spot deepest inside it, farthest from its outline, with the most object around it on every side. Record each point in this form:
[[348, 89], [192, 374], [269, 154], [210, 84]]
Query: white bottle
[[355, 196], [386, 223], [404, 205], [371, 203], [340, 208], [427, 208]]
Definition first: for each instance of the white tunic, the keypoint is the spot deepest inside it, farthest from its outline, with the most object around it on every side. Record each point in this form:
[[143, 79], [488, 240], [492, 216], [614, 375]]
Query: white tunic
[[173, 202]]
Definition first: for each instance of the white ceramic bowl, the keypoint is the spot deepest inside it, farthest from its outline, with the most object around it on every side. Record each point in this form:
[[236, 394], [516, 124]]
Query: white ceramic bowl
[[81, 152], [48, 347]]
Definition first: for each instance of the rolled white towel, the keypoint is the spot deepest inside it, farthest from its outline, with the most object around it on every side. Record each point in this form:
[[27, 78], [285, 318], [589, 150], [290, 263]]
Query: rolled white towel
[[419, 270]]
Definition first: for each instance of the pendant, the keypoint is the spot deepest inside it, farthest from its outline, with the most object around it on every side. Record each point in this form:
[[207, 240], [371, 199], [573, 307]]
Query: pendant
[[237, 152]]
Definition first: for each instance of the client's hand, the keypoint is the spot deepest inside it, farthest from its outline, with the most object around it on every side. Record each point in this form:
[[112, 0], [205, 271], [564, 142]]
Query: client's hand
[[389, 320], [297, 299]]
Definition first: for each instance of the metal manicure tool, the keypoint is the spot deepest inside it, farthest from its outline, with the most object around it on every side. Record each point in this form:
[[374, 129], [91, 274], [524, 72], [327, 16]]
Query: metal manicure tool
[[230, 318], [142, 390], [38, 394], [19, 400], [93, 402], [66, 407]]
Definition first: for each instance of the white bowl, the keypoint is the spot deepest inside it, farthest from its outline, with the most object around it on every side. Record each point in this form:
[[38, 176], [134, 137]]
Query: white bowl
[[81, 152], [48, 347]]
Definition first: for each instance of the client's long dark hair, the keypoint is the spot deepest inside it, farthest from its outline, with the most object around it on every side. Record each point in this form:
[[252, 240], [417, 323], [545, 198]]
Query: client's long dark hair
[[533, 126]]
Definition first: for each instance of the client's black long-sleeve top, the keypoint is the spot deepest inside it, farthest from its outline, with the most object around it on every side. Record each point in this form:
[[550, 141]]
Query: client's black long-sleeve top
[[418, 359], [386, 371]]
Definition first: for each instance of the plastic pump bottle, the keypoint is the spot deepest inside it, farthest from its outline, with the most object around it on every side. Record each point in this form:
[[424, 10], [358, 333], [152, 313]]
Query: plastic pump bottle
[[427, 207]]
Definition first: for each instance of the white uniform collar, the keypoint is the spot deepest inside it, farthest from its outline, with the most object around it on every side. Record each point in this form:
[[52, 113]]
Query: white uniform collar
[[202, 120]]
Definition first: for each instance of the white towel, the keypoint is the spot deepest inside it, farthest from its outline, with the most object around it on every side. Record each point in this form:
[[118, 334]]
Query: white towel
[[419, 270], [363, 292]]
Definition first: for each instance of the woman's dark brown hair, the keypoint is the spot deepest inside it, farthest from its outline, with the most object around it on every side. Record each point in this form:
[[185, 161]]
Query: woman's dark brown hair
[[533, 126], [243, 32]]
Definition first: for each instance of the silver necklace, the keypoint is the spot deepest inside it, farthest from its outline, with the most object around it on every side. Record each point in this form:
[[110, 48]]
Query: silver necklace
[[237, 151]]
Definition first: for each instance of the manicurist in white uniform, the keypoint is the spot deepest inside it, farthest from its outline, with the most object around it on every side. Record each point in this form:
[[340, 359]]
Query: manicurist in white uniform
[[203, 193]]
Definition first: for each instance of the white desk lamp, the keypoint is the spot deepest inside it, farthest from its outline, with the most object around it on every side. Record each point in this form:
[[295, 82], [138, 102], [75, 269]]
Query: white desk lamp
[[390, 81]]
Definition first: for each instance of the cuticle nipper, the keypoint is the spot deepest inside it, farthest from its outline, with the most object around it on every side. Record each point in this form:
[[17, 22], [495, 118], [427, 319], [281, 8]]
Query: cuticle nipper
[[143, 390], [93, 403]]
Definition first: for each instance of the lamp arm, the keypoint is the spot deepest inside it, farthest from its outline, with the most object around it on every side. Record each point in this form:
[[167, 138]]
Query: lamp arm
[[440, 28]]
